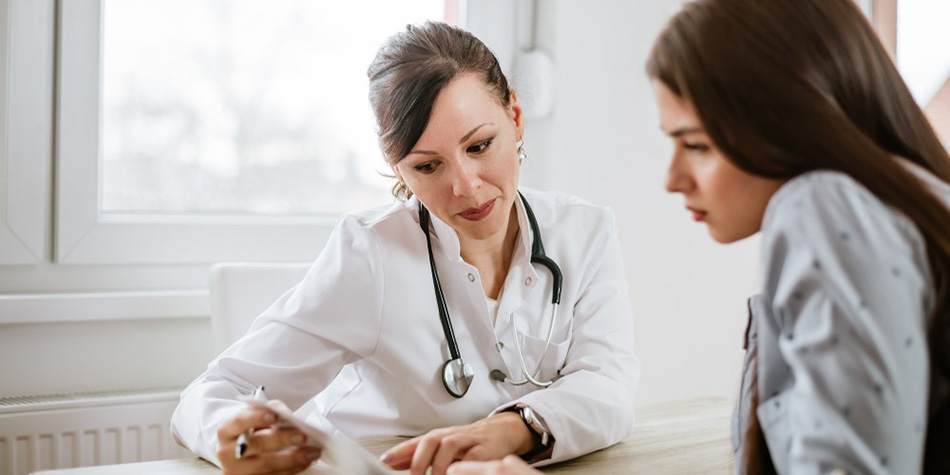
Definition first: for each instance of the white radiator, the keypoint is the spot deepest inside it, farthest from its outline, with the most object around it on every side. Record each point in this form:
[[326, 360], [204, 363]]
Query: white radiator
[[65, 431]]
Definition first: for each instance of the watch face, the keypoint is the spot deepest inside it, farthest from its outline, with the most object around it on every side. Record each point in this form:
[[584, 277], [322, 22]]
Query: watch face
[[531, 420], [528, 415]]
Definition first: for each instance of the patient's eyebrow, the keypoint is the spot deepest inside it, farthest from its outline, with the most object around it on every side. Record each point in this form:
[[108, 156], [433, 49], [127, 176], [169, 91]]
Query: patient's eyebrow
[[685, 131]]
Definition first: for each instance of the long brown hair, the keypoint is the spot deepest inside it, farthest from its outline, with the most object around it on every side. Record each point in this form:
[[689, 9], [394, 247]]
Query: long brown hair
[[784, 87], [409, 72]]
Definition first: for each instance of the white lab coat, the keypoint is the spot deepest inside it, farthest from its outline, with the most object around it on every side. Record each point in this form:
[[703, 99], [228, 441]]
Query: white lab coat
[[362, 333]]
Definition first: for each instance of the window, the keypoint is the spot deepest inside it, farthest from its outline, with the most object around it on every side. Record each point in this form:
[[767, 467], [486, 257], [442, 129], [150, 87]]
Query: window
[[116, 263], [924, 60], [67, 225], [207, 130], [244, 107], [914, 34]]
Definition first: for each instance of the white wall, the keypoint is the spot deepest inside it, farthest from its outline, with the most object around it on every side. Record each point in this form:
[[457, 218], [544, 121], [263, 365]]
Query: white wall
[[602, 142]]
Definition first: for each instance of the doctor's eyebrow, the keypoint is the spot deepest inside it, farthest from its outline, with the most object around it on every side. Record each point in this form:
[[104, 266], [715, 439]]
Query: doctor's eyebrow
[[461, 141], [471, 132]]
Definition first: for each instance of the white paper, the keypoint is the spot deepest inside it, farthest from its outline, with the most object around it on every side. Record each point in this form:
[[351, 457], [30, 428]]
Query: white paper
[[341, 454]]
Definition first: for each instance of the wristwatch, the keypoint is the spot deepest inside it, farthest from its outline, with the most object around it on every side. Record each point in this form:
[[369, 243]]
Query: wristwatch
[[539, 432]]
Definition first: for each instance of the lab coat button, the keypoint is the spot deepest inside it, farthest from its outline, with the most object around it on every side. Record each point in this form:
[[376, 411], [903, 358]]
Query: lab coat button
[[499, 346], [527, 281], [471, 277]]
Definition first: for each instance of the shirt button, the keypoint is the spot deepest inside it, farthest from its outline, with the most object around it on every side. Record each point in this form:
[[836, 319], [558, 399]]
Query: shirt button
[[471, 277], [499, 346], [527, 281]]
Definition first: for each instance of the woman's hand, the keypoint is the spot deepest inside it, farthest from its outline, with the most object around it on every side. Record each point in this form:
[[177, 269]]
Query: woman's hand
[[270, 449], [510, 465], [488, 439]]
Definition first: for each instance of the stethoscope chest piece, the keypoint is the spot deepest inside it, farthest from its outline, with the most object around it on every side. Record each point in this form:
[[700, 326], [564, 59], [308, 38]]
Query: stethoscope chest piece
[[457, 377]]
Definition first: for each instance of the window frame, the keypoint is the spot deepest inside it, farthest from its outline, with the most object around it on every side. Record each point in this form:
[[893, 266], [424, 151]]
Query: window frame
[[53, 242], [26, 108], [883, 14], [84, 235]]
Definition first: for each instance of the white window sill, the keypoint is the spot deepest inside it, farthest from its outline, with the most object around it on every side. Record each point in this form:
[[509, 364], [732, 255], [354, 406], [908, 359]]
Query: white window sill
[[103, 306]]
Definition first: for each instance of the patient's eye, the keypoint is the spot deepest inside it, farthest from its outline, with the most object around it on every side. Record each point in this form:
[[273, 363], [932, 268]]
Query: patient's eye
[[696, 147]]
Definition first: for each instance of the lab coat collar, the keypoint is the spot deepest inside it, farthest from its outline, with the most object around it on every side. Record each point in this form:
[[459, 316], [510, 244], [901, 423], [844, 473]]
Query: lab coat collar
[[449, 241], [525, 235]]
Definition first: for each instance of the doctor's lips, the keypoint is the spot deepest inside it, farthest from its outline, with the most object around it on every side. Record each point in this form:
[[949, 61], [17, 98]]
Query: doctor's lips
[[479, 213], [697, 214]]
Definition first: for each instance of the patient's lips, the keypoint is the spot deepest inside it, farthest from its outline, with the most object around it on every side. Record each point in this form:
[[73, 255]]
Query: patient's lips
[[698, 215]]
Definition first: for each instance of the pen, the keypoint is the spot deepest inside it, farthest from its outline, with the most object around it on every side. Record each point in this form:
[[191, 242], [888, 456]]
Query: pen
[[241, 447]]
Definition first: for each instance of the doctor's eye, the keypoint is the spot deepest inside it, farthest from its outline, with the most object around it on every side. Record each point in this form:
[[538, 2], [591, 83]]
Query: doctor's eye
[[426, 168], [480, 147]]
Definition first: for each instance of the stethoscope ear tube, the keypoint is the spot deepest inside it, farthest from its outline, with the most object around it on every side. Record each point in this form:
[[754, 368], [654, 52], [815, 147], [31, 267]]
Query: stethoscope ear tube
[[437, 287], [539, 257]]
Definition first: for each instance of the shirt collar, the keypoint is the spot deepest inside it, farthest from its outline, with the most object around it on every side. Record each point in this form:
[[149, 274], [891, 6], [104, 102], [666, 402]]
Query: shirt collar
[[449, 241]]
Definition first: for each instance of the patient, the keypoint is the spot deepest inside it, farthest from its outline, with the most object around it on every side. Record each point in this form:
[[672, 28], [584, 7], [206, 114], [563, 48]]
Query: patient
[[788, 118]]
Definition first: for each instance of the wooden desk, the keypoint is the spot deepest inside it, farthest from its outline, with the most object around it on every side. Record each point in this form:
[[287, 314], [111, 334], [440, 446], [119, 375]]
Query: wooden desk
[[683, 437]]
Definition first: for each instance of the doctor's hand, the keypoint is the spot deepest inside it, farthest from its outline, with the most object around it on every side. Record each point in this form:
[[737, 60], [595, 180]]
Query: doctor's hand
[[491, 438], [270, 449], [510, 465]]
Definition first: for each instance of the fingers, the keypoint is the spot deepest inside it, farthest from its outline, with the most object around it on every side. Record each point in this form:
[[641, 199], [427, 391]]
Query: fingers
[[282, 462], [278, 405], [399, 457], [419, 453], [439, 449], [510, 465], [450, 448], [515, 461], [475, 468], [271, 449], [229, 431], [475, 454], [272, 440], [256, 417], [425, 451]]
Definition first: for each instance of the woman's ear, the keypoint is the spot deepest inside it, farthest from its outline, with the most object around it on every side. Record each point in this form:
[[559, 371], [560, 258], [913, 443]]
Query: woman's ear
[[398, 174], [516, 114]]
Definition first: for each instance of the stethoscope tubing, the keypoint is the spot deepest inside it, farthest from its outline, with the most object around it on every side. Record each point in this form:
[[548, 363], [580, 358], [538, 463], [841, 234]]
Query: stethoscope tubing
[[437, 287], [529, 377], [537, 257]]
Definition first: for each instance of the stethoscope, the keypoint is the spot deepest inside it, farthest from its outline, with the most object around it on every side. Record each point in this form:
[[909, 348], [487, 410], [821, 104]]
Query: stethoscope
[[456, 374]]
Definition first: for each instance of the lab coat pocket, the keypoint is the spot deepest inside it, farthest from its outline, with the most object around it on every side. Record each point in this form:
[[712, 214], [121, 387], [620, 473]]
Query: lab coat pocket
[[554, 358]]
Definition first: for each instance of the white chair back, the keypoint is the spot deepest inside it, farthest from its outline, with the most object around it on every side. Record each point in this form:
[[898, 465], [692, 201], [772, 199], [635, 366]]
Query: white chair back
[[240, 291]]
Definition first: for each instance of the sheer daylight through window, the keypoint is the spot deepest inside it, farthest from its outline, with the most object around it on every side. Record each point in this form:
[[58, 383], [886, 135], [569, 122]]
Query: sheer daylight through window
[[924, 59], [243, 106]]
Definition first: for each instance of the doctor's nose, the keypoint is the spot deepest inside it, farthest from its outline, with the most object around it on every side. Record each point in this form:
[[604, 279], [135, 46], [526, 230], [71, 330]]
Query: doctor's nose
[[465, 179]]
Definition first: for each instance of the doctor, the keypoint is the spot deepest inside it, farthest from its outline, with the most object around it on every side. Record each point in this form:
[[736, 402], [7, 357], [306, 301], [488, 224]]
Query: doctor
[[427, 316]]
